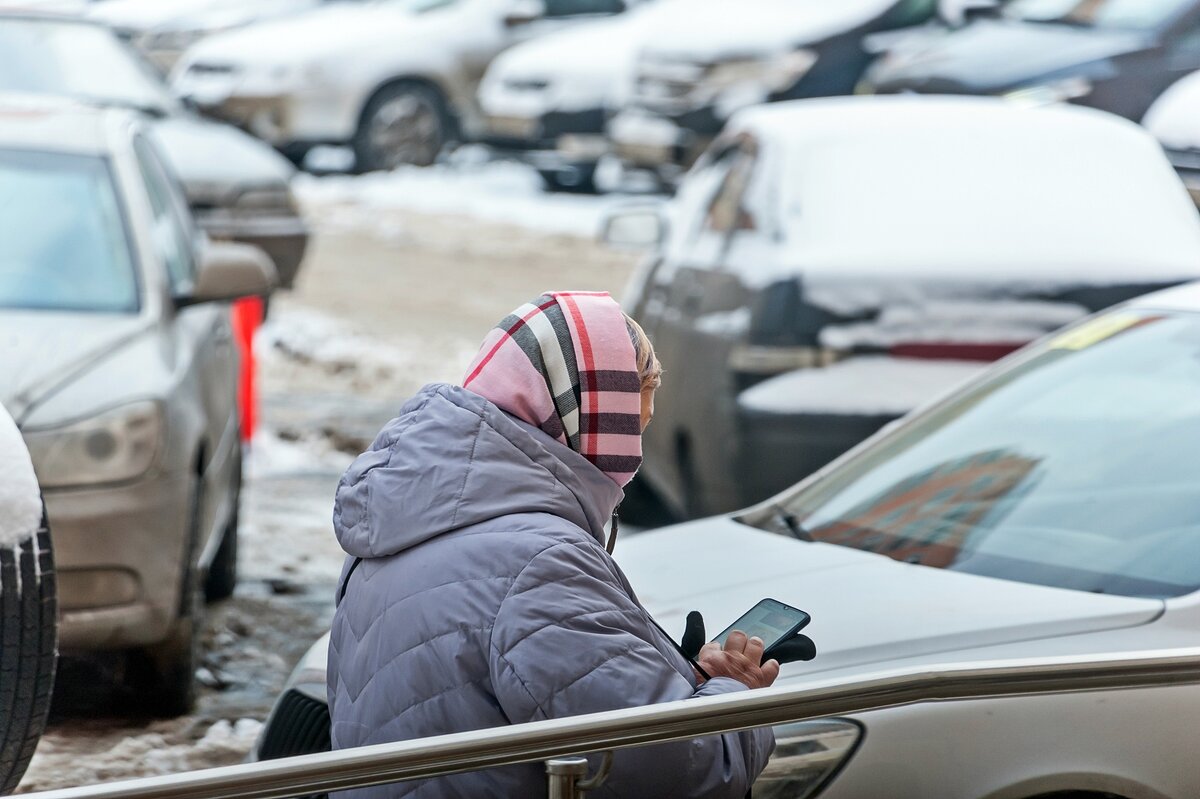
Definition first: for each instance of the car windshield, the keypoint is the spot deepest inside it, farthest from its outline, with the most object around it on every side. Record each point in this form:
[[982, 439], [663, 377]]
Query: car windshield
[[1074, 467], [1123, 14], [63, 244], [77, 60]]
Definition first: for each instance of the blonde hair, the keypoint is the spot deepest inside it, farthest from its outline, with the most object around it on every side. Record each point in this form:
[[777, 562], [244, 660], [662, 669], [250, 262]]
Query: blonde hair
[[648, 368]]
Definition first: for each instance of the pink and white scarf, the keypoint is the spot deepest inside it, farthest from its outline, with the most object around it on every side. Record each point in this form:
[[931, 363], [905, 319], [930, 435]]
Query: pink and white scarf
[[565, 363]]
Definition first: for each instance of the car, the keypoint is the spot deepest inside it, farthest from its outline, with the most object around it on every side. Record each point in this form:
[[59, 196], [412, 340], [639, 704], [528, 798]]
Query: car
[[1044, 509], [395, 80], [238, 188], [1115, 55], [932, 235], [1173, 121], [28, 609], [120, 370], [162, 31], [698, 66], [548, 100]]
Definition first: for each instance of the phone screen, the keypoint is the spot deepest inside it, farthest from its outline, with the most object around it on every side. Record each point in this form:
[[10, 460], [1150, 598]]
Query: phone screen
[[770, 620]]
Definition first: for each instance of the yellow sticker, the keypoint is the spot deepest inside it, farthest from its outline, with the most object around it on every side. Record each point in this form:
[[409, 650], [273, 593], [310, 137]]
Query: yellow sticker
[[1095, 331]]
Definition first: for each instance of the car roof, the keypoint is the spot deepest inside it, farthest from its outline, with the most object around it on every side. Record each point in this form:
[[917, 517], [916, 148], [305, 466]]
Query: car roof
[[37, 122], [928, 186]]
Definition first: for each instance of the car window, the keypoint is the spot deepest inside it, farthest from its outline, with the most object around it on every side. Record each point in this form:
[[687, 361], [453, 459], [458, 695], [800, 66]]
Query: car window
[[63, 239], [171, 233], [571, 8], [77, 60], [1073, 467]]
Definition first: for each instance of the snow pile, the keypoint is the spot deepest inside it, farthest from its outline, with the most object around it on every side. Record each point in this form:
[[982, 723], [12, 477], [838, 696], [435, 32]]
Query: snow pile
[[961, 321], [503, 192], [20, 495], [868, 386], [312, 338], [275, 455]]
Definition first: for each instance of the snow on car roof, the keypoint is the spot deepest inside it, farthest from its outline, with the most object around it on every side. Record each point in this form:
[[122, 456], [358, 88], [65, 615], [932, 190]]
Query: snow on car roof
[[959, 188], [1179, 298], [1174, 119], [42, 122], [20, 496]]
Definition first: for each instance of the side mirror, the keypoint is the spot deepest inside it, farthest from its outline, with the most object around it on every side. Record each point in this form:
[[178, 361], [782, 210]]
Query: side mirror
[[634, 229], [524, 12], [228, 271]]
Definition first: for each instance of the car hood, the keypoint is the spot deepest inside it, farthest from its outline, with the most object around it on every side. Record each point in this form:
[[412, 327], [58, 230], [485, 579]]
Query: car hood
[[40, 351], [990, 56], [215, 160], [715, 30], [304, 37], [866, 608]]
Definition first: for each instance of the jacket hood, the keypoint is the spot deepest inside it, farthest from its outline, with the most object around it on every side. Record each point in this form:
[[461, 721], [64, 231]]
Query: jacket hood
[[996, 56], [452, 459]]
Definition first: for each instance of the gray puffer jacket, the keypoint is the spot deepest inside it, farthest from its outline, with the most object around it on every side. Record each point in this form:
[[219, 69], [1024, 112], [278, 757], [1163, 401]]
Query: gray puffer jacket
[[478, 594]]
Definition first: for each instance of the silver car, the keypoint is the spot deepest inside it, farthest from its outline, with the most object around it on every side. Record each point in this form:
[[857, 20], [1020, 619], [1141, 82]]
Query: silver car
[[118, 366], [238, 188]]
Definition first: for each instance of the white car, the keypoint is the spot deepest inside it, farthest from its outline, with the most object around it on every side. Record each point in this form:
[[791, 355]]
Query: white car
[[396, 79], [1174, 119], [1046, 508]]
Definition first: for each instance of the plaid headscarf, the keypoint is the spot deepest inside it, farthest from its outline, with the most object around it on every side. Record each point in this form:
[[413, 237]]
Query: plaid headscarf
[[565, 364]]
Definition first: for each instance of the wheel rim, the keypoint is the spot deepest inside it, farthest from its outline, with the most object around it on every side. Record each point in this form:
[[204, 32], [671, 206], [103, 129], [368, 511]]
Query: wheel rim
[[405, 130]]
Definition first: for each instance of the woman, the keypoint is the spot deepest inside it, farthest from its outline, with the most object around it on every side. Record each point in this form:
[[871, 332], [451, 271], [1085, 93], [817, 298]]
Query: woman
[[478, 591]]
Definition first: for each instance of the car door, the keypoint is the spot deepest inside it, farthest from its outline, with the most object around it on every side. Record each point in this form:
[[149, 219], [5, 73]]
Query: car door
[[206, 358], [694, 306]]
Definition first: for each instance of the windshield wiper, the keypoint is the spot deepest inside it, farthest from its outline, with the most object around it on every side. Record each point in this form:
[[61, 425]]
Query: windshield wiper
[[793, 525]]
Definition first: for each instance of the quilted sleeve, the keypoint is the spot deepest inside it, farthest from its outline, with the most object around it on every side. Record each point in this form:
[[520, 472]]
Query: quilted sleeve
[[569, 640]]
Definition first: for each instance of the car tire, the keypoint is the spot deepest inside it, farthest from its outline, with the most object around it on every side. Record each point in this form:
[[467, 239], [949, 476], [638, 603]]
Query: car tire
[[28, 650], [572, 179], [404, 123], [221, 579]]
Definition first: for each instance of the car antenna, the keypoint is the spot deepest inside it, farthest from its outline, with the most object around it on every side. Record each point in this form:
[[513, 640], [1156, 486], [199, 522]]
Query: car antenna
[[793, 524]]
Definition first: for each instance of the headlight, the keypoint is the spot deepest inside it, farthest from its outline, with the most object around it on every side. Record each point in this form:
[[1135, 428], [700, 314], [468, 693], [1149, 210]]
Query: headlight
[[775, 74], [1059, 91], [114, 446], [806, 756]]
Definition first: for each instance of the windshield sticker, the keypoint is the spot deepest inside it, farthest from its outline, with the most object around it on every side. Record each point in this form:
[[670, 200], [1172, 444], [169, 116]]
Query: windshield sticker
[[1099, 329]]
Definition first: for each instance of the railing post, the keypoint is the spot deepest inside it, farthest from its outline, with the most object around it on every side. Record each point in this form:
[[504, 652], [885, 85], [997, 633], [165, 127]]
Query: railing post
[[564, 774]]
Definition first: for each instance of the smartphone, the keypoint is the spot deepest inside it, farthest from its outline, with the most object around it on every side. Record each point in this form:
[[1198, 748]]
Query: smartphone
[[771, 620]]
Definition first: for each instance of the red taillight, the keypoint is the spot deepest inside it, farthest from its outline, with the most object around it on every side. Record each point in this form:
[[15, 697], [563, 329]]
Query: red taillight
[[953, 350]]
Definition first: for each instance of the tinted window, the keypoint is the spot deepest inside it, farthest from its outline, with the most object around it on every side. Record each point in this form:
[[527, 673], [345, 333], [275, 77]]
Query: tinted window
[[1078, 467], [570, 8], [63, 243], [76, 60]]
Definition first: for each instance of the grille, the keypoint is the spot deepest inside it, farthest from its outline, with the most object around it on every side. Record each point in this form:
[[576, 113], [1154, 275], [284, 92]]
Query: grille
[[299, 726]]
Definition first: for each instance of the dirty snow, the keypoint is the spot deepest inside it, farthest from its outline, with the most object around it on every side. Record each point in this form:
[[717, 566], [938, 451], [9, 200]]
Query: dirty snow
[[20, 495], [501, 192], [869, 386]]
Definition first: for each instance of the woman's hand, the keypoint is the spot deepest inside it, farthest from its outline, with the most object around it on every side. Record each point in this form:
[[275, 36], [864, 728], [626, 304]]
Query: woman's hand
[[739, 660]]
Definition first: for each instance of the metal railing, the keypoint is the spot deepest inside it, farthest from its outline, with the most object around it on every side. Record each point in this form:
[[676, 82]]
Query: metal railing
[[670, 721]]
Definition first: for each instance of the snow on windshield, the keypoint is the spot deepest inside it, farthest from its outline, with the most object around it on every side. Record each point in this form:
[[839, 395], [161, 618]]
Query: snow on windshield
[[20, 496]]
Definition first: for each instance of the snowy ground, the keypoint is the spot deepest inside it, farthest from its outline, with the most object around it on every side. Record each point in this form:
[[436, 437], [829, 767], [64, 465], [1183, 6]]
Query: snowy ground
[[390, 299]]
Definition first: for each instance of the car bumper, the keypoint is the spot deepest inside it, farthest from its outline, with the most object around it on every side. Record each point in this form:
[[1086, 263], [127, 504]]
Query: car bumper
[[118, 552], [646, 140], [284, 120], [284, 238]]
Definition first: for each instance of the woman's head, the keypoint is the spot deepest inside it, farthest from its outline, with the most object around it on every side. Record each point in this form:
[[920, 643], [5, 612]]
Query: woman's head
[[575, 366]]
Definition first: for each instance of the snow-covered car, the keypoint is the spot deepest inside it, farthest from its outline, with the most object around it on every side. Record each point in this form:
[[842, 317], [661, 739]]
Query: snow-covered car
[[395, 79], [28, 608], [118, 364], [1115, 55], [1174, 119], [931, 235], [549, 99], [238, 188], [163, 29], [696, 68], [1045, 509]]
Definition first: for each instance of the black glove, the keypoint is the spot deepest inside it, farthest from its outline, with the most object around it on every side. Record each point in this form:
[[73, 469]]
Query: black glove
[[799, 647]]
